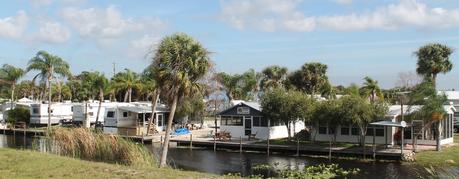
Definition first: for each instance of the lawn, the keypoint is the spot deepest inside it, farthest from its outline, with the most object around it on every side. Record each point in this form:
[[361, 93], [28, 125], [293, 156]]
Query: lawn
[[448, 156], [31, 164]]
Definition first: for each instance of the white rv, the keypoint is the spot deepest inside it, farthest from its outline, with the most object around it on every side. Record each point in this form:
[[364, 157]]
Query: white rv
[[60, 112], [135, 116], [91, 108]]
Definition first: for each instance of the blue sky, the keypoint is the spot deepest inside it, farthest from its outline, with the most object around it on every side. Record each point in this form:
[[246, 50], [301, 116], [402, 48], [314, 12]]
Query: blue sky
[[355, 38]]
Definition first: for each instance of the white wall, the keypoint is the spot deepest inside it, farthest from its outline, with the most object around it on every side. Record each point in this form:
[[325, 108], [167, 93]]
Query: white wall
[[60, 111], [275, 132]]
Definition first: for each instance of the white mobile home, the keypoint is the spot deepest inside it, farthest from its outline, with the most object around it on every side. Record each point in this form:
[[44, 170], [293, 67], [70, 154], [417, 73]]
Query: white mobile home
[[388, 135], [245, 119], [133, 119], [60, 112]]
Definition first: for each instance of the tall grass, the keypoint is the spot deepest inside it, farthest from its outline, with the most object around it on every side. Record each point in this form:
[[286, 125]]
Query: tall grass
[[87, 145]]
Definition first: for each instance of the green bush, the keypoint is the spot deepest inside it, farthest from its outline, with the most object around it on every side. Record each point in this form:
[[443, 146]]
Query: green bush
[[318, 171], [18, 115]]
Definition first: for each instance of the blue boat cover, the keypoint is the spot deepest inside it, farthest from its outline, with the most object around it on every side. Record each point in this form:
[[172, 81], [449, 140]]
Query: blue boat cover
[[181, 131]]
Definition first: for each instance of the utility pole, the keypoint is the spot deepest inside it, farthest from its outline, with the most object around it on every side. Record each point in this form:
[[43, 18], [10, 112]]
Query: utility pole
[[114, 68]]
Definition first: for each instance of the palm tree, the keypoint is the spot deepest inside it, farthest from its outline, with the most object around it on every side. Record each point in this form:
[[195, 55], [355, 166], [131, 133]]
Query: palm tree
[[127, 81], [10, 75], [231, 84], [433, 59], [48, 65], [100, 83], [371, 88], [310, 78], [181, 62], [150, 85], [274, 76]]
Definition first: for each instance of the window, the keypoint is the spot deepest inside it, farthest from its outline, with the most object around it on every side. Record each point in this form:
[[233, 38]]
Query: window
[[380, 132], [125, 114], [160, 120], [331, 130], [370, 131], [264, 122], [71, 109], [35, 110], [345, 130], [91, 113], [256, 121], [355, 130], [322, 129], [234, 121], [111, 114]]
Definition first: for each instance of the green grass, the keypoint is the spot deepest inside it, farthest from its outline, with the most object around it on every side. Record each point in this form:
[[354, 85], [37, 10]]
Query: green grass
[[449, 156], [31, 164]]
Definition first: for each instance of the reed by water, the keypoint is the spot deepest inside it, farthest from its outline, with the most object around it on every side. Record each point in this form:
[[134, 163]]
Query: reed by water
[[84, 144]]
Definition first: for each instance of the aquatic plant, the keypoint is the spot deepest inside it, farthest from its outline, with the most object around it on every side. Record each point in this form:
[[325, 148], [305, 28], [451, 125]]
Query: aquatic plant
[[85, 144], [318, 171]]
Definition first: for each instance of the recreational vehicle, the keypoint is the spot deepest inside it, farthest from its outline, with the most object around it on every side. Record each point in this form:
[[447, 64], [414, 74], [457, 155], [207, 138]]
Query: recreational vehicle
[[60, 112], [133, 119], [91, 108]]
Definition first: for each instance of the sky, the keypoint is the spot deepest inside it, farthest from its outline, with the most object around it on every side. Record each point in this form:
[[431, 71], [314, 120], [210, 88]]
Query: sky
[[355, 38]]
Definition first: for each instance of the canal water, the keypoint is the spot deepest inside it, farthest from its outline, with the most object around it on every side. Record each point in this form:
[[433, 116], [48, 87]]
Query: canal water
[[224, 162]]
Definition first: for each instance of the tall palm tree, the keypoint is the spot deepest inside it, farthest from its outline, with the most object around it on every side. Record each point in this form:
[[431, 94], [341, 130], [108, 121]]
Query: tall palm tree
[[231, 84], [10, 74], [274, 76], [371, 89], [100, 83], [181, 62], [48, 66], [127, 80], [150, 86], [433, 59]]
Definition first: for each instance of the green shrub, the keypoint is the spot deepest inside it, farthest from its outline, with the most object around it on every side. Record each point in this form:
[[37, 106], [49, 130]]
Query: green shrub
[[18, 115], [318, 171]]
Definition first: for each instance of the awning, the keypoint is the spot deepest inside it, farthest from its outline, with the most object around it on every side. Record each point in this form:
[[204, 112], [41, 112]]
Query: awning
[[390, 124], [143, 109]]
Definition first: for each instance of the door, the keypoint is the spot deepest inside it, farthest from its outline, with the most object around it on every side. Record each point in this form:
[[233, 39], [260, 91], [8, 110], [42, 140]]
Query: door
[[248, 125]]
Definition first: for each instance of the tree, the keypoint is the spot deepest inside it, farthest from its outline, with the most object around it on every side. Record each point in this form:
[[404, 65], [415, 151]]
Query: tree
[[273, 77], [231, 85], [101, 84], [150, 85], [127, 81], [48, 66], [371, 89], [433, 59], [286, 107], [180, 62], [330, 113], [10, 74], [310, 78]]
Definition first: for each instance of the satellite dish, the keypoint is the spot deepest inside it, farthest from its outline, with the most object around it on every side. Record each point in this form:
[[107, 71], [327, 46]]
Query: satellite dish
[[403, 123]]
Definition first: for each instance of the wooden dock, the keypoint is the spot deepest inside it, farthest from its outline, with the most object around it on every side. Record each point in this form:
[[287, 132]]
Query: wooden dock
[[27, 132], [381, 153]]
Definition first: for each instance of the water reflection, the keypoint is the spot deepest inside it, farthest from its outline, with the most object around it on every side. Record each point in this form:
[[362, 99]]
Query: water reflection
[[223, 162]]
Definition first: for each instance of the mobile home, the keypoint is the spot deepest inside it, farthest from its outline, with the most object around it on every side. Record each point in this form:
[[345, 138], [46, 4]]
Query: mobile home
[[244, 119], [91, 108]]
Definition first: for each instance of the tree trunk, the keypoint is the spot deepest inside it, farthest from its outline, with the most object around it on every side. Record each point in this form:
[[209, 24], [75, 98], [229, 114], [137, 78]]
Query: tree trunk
[[130, 94], [101, 98], [168, 130], [126, 95], [12, 95], [153, 109], [434, 80], [288, 130], [438, 136], [49, 102]]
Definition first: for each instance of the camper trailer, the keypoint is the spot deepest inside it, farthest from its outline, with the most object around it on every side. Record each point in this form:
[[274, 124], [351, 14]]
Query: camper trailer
[[89, 109], [133, 119], [60, 112]]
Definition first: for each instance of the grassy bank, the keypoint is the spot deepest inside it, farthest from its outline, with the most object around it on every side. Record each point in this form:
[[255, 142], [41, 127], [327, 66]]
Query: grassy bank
[[448, 156], [31, 164]]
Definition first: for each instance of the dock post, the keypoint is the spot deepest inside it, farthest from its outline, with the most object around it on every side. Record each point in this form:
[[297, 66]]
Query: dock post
[[401, 145], [297, 147], [142, 138], [191, 141], [161, 141], [268, 147], [374, 143], [240, 144], [215, 143]]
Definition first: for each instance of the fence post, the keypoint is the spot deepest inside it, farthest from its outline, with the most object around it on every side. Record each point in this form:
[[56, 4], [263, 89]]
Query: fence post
[[191, 141], [240, 144], [268, 147], [297, 146], [215, 142]]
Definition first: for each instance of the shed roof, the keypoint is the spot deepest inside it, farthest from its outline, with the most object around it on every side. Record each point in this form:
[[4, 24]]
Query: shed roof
[[389, 123]]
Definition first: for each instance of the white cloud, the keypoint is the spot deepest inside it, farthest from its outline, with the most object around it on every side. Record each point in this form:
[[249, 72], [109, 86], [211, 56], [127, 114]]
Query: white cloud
[[40, 2], [107, 23], [285, 15], [145, 42], [14, 26], [52, 32]]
